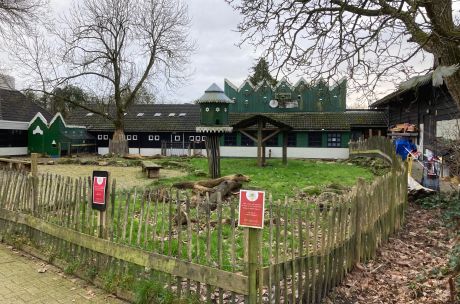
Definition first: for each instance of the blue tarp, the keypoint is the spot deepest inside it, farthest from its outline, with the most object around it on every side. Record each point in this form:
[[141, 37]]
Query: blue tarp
[[404, 146]]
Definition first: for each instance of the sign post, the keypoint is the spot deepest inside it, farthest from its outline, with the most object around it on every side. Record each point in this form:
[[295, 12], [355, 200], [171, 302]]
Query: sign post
[[251, 216], [100, 197]]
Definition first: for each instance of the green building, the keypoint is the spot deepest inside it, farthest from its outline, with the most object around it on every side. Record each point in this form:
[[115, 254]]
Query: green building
[[56, 138]]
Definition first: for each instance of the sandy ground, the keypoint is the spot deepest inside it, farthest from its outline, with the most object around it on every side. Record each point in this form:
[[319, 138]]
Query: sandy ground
[[127, 177]]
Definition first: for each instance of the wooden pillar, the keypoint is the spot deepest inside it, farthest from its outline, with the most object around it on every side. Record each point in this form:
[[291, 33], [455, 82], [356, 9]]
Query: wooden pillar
[[34, 173], [213, 152], [285, 143], [259, 144], [263, 154], [380, 132], [253, 259], [370, 132]]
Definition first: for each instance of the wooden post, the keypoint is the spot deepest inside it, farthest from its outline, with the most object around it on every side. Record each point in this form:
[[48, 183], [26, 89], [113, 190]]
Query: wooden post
[[259, 144], [285, 143], [34, 172], [253, 258], [370, 133], [213, 151], [102, 217]]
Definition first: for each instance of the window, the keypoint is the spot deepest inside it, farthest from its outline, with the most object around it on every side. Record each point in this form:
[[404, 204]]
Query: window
[[128, 137], [246, 141], [89, 114], [182, 114], [157, 114], [292, 140], [172, 114], [157, 137], [150, 137], [334, 139], [124, 114], [192, 138], [99, 137], [134, 137], [106, 137], [315, 139], [230, 139], [177, 137], [140, 114]]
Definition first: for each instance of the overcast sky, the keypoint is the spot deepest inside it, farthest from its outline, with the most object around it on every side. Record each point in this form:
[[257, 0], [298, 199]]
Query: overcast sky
[[216, 57]]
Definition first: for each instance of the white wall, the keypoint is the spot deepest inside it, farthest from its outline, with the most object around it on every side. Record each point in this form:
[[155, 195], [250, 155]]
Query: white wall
[[150, 151], [292, 152], [226, 151], [102, 150], [13, 125], [449, 129], [13, 151]]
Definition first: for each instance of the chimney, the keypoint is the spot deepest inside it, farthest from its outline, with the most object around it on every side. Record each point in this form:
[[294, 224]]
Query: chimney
[[6, 82]]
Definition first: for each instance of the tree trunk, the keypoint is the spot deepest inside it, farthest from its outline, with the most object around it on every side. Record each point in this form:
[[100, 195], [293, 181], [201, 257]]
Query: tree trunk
[[118, 145], [213, 151]]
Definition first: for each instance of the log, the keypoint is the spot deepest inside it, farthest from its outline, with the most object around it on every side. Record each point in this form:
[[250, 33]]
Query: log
[[224, 188], [210, 184]]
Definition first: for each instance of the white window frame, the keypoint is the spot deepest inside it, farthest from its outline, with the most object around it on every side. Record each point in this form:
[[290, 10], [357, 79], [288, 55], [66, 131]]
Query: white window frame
[[157, 137], [150, 137], [99, 137], [134, 137], [128, 137], [191, 138], [203, 138], [106, 137], [176, 137]]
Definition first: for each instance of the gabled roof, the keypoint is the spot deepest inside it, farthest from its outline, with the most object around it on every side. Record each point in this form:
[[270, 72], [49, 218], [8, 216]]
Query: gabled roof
[[145, 123], [341, 121], [188, 123], [14, 106], [405, 87]]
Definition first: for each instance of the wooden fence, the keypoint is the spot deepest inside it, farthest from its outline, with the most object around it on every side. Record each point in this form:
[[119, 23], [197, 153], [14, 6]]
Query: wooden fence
[[195, 247]]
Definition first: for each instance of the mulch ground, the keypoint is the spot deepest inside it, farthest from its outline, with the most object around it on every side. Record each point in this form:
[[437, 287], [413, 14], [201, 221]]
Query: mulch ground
[[410, 268]]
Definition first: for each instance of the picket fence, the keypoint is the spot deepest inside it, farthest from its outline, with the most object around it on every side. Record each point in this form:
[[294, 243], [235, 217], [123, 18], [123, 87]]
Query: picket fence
[[194, 247]]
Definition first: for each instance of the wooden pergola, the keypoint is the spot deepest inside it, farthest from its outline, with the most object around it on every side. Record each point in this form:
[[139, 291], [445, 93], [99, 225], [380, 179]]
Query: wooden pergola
[[263, 124]]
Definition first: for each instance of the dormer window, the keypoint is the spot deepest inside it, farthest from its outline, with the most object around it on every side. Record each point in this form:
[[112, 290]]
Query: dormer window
[[182, 114], [89, 114], [157, 114], [172, 114], [140, 114]]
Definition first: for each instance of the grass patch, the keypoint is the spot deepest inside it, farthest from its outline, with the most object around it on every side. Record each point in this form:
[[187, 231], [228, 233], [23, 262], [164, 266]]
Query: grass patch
[[276, 178]]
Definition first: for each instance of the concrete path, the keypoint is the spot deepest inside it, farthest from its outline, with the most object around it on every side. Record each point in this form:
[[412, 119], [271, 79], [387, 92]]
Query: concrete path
[[22, 280]]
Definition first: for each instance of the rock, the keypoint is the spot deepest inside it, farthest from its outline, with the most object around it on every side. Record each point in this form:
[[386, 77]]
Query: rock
[[50, 162], [199, 173], [83, 161], [311, 190], [103, 163]]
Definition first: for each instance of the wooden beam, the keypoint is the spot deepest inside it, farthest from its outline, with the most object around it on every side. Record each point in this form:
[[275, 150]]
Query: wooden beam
[[249, 135], [259, 143], [271, 135], [285, 143]]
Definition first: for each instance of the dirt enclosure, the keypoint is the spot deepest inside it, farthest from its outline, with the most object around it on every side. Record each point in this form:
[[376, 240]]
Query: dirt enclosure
[[127, 177]]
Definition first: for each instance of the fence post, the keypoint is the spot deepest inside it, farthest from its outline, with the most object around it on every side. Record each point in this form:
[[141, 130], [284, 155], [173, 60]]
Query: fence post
[[253, 259], [34, 173], [361, 185]]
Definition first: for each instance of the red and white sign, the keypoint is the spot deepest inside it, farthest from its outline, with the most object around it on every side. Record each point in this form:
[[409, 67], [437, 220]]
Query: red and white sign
[[99, 185], [251, 209]]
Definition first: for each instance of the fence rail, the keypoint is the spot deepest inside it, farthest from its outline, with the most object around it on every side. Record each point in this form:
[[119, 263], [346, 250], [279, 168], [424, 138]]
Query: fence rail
[[195, 247]]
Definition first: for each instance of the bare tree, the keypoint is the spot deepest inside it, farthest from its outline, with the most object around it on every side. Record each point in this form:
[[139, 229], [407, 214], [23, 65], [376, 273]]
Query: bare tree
[[114, 49], [17, 14], [370, 41]]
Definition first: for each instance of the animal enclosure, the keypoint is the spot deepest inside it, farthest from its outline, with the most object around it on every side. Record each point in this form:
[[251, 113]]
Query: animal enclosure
[[196, 247]]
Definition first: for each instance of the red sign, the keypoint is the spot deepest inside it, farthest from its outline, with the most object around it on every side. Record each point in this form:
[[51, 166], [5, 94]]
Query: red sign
[[99, 186], [251, 210]]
